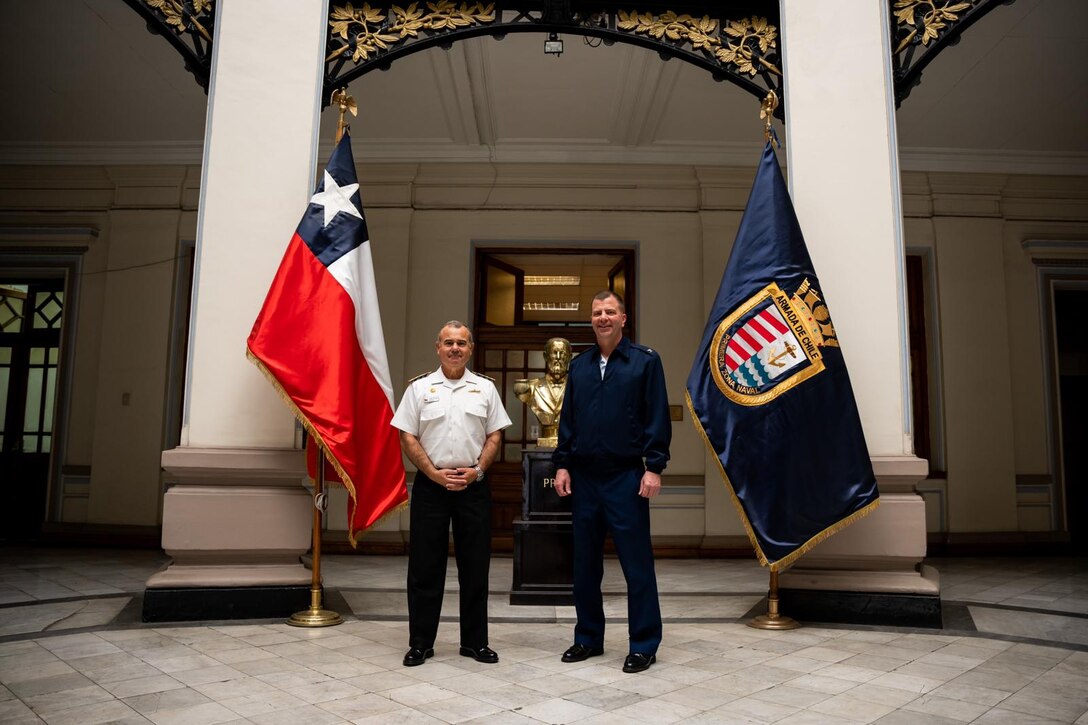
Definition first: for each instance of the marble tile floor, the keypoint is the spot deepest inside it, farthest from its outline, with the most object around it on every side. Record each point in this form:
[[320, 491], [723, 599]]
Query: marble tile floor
[[72, 650]]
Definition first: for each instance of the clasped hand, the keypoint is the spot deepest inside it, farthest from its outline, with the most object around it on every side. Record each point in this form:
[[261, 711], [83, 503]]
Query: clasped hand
[[456, 479]]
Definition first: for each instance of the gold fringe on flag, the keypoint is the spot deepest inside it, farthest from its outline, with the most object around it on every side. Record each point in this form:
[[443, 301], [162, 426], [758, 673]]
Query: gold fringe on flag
[[345, 479], [786, 561]]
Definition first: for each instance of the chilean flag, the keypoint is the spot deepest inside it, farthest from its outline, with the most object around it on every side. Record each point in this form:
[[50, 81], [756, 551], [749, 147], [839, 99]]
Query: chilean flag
[[319, 340]]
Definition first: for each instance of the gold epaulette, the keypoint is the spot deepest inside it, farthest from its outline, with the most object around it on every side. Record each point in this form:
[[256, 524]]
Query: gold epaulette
[[420, 377], [485, 377]]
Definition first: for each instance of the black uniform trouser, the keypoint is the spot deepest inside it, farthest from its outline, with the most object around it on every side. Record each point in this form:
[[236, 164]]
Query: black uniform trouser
[[432, 509]]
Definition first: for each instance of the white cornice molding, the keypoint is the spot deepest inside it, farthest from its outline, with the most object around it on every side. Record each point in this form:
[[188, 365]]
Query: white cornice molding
[[975, 161], [120, 153], [725, 153]]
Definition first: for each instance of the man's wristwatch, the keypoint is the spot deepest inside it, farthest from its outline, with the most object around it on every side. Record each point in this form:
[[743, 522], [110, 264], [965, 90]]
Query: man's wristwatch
[[479, 473]]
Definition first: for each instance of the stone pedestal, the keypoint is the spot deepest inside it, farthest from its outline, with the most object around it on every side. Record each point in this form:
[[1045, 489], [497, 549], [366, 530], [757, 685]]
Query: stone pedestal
[[872, 571], [238, 522], [543, 537]]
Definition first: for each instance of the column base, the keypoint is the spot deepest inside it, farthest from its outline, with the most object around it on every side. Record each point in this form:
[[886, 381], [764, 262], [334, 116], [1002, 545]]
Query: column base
[[885, 598], [886, 610], [218, 603], [872, 571], [236, 523]]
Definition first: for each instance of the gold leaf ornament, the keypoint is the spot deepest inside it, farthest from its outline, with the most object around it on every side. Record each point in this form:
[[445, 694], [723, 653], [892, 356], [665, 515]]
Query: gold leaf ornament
[[730, 41], [934, 18], [375, 30]]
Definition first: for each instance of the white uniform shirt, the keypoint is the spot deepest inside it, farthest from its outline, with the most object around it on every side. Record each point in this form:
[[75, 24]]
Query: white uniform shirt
[[451, 418]]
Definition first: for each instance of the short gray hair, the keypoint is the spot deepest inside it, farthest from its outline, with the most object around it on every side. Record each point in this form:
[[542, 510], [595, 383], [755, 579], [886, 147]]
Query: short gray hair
[[457, 325]]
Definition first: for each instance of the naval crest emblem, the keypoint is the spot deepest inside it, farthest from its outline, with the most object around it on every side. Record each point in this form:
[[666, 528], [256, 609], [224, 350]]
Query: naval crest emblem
[[770, 343]]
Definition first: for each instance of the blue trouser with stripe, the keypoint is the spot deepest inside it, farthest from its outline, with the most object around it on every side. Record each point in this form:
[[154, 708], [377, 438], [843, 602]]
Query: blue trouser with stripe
[[608, 502]]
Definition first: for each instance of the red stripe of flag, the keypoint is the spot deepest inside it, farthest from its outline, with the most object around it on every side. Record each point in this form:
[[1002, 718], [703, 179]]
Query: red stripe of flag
[[758, 327], [752, 342], [771, 319], [305, 338]]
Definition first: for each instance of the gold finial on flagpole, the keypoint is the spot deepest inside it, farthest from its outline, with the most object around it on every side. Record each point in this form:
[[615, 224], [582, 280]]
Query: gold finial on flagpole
[[766, 113], [772, 619], [346, 103]]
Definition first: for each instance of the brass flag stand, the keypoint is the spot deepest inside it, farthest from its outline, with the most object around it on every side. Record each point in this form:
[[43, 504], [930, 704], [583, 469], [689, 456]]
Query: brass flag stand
[[772, 619], [316, 616]]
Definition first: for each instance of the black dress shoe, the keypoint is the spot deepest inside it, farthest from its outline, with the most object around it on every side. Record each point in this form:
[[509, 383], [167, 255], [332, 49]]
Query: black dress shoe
[[482, 654], [417, 656], [637, 662], [579, 652]]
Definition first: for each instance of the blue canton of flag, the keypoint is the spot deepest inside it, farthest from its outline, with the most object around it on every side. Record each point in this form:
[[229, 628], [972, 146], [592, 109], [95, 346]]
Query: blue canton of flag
[[769, 390]]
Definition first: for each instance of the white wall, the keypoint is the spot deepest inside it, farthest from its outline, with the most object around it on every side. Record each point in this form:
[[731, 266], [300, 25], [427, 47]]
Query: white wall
[[424, 220]]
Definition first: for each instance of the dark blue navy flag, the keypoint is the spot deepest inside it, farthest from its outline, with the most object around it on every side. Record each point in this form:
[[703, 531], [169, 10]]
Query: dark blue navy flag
[[769, 389]]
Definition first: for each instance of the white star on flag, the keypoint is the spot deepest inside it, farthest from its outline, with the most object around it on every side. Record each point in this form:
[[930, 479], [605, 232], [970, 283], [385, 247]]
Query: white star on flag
[[336, 199]]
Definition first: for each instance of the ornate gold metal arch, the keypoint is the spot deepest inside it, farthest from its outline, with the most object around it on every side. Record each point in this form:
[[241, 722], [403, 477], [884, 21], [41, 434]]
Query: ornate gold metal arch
[[921, 29], [188, 25], [735, 40]]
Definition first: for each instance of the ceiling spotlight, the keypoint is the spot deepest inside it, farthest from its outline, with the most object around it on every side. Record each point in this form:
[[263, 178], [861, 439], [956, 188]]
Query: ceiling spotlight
[[553, 45]]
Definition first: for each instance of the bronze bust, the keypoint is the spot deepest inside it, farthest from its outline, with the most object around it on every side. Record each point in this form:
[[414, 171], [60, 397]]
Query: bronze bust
[[544, 396]]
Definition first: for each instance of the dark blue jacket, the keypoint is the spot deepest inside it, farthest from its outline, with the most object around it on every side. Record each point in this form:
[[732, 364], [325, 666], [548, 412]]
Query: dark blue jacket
[[620, 421]]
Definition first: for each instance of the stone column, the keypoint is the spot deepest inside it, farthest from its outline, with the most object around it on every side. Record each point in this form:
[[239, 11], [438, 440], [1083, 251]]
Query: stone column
[[237, 518], [844, 179]]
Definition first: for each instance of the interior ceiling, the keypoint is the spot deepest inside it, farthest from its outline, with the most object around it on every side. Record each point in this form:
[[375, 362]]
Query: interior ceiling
[[591, 269], [87, 82]]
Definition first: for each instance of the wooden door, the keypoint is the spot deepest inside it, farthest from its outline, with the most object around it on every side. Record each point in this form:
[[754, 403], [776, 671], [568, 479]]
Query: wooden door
[[510, 340]]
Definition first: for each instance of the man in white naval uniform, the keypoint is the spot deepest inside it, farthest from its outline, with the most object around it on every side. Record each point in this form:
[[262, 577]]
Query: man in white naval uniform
[[451, 423]]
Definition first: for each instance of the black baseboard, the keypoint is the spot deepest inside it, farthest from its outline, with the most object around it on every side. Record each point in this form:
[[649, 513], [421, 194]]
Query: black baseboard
[[880, 609], [559, 597], [217, 603]]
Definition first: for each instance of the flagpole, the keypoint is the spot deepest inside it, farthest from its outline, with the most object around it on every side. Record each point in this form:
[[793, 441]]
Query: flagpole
[[772, 619], [316, 616]]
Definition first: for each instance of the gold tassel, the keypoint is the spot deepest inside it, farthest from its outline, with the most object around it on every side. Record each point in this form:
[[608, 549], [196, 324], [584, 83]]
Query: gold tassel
[[786, 561]]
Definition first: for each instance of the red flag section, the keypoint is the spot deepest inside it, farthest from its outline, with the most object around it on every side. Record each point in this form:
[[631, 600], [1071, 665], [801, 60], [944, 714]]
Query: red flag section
[[318, 338]]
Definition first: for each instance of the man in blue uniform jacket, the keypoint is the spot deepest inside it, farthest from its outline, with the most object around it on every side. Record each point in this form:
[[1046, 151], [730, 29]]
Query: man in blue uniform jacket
[[614, 437]]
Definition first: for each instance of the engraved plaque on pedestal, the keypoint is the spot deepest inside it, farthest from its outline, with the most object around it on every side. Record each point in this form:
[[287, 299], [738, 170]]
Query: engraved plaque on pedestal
[[544, 538], [538, 497]]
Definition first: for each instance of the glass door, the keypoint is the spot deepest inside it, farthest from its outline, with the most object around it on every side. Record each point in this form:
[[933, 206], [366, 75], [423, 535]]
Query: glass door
[[524, 297], [31, 313]]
